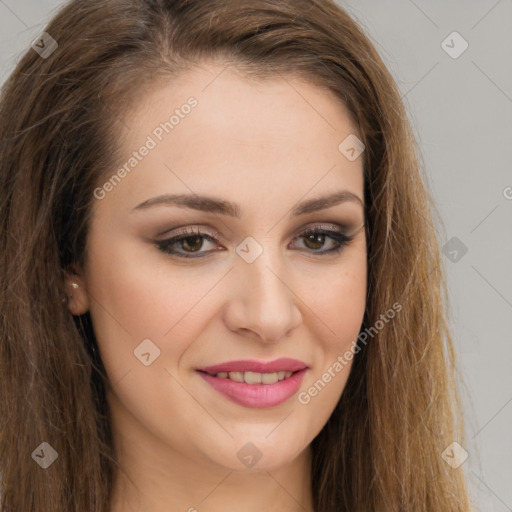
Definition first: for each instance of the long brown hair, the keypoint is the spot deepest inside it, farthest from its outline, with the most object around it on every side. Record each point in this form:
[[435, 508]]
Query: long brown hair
[[381, 448]]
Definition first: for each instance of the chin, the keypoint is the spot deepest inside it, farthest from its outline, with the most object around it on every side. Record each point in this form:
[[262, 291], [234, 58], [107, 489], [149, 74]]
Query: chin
[[257, 455]]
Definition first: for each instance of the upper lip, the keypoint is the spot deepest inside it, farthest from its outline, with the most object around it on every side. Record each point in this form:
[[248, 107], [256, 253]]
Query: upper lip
[[251, 365]]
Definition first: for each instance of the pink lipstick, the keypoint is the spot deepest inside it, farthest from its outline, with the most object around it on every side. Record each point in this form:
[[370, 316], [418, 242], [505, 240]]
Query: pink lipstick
[[254, 383]]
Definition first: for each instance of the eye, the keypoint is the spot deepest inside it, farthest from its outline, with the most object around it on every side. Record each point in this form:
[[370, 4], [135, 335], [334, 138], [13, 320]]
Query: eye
[[190, 241], [316, 238]]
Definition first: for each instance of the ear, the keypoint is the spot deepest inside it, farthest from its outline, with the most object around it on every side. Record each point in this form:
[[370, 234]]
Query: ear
[[76, 291]]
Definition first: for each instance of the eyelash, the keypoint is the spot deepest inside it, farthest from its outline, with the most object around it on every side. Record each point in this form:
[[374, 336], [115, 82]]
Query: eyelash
[[164, 245]]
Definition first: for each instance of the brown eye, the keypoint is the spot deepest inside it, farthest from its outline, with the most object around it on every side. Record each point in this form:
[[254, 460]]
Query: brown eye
[[188, 244], [314, 240], [192, 243]]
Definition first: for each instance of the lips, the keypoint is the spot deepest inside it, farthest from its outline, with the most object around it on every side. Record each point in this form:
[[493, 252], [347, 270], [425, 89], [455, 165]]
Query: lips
[[256, 383]]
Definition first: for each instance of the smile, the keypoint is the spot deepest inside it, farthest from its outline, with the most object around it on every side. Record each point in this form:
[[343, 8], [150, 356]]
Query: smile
[[253, 389]]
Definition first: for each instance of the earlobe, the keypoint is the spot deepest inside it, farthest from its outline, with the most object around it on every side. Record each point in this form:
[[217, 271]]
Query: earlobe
[[76, 292]]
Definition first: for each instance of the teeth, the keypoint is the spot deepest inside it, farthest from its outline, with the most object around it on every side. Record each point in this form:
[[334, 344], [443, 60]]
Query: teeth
[[236, 376], [269, 378], [254, 377]]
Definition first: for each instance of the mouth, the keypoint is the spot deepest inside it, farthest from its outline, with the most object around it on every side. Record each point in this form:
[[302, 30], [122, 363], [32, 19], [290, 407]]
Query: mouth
[[255, 383]]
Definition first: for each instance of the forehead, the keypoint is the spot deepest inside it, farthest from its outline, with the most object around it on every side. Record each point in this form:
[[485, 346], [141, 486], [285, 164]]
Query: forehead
[[279, 135], [279, 104]]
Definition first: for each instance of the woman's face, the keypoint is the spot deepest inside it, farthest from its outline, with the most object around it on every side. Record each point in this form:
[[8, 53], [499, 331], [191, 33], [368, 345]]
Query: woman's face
[[244, 159]]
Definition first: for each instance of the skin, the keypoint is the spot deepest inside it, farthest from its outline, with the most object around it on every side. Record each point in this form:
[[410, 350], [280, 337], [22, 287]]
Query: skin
[[265, 145]]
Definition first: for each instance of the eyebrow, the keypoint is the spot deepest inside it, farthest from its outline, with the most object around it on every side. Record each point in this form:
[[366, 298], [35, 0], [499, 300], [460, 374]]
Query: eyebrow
[[213, 205]]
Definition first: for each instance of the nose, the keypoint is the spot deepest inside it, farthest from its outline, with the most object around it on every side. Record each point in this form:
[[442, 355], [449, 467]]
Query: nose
[[262, 301]]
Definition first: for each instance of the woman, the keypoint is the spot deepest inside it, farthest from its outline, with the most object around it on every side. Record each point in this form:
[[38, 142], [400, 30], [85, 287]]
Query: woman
[[221, 284]]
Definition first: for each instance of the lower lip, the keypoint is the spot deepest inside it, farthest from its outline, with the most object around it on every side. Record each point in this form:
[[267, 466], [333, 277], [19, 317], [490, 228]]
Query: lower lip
[[257, 395]]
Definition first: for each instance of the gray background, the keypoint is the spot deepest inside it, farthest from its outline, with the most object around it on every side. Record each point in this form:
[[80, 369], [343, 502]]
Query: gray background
[[461, 111]]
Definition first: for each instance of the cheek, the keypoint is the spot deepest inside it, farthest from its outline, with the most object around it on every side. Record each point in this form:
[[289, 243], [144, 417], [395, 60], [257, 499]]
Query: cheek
[[144, 297], [135, 300], [337, 305], [337, 302]]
